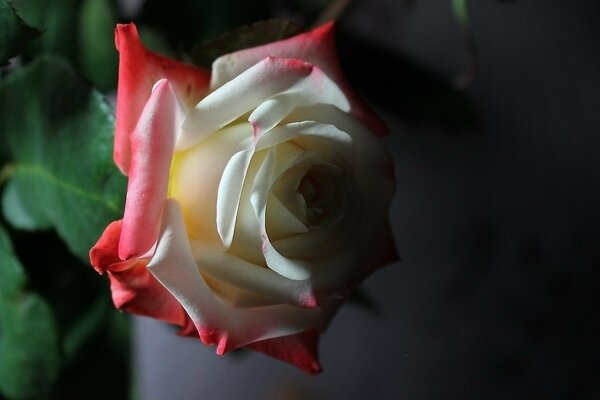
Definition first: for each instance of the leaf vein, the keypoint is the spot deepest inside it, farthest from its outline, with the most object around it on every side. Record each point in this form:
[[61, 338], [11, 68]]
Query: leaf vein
[[40, 172]]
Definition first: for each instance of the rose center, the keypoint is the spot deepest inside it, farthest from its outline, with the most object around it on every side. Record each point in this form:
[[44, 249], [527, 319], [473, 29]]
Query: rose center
[[322, 190]]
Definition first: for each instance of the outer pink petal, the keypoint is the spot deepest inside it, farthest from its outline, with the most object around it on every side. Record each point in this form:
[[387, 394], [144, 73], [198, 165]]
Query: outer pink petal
[[153, 142], [139, 70], [104, 253], [316, 47], [133, 288], [299, 349]]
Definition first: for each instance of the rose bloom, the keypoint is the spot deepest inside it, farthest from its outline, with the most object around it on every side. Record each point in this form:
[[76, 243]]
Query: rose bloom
[[258, 194]]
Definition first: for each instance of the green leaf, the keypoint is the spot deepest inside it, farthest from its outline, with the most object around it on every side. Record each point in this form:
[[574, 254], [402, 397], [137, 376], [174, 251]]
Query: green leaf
[[28, 343], [58, 18], [15, 34], [12, 276], [101, 355], [97, 52], [59, 137], [30, 356], [84, 315], [242, 38], [88, 323]]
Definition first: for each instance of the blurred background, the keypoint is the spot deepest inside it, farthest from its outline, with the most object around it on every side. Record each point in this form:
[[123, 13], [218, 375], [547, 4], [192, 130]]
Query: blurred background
[[496, 139], [493, 109]]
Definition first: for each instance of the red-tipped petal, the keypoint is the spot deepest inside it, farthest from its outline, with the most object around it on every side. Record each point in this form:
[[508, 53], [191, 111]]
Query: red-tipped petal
[[104, 253], [133, 288], [255, 85], [316, 47], [139, 70], [299, 349]]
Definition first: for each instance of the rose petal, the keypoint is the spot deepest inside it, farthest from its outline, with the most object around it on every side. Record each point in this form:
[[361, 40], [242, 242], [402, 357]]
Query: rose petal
[[370, 158], [230, 190], [290, 268], [294, 130], [280, 222], [316, 47], [195, 178], [133, 288], [104, 253], [270, 113], [247, 242], [316, 88], [237, 297], [248, 90], [218, 323], [299, 349], [139, 70], [257, 279], [152, 141]]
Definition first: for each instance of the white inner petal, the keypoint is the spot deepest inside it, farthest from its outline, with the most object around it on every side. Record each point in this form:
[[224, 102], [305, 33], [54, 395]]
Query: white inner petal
[[290, 268], [317, 88], [195, 177], [280, 221], [247, 91], [296, 130], [230, 190], [268, 114], [251, 277], [247, 241]]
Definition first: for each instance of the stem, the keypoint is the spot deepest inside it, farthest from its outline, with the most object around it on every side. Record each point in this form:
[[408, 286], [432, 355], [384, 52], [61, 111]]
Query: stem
[[467, 76]]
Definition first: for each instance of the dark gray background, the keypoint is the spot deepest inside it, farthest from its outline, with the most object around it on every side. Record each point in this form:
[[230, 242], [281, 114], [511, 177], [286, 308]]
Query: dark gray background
[[497, 223]]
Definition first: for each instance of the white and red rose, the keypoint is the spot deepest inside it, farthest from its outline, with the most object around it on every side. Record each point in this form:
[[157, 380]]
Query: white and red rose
[[258, 194]]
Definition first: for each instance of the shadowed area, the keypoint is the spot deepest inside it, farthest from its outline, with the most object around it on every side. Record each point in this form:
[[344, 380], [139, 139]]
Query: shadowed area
[[496, 218]]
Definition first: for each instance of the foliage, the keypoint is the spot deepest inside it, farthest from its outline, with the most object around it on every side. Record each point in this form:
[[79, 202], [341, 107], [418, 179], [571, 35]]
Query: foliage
[[58, 331], [59, 135], [15, 33], [28, 336]]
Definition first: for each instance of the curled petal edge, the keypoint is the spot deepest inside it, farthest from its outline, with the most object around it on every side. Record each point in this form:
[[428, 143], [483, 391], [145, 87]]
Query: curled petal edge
[[316, 47], [133, 288], [139, 70]]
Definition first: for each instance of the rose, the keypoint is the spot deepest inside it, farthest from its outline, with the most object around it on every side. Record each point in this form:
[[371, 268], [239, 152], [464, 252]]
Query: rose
[[257, 198]]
